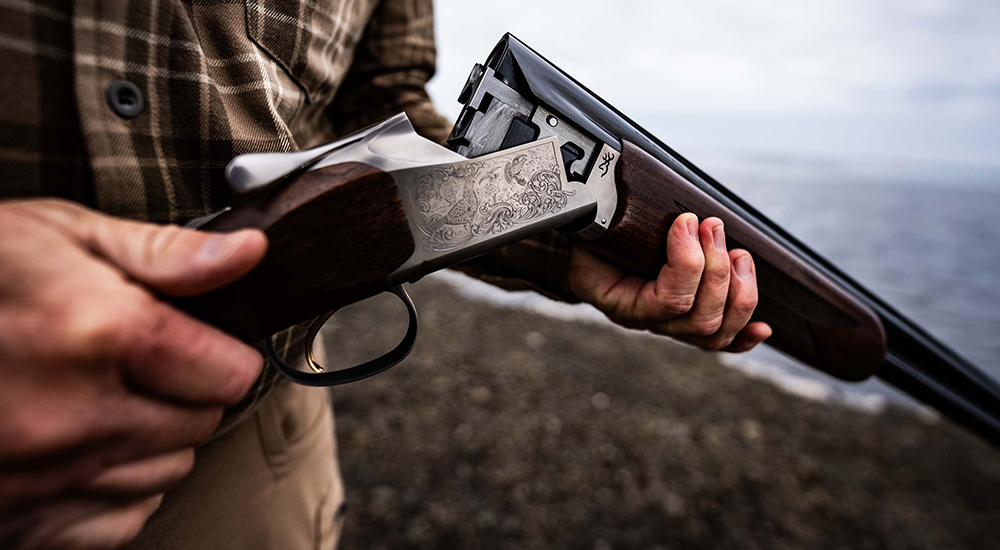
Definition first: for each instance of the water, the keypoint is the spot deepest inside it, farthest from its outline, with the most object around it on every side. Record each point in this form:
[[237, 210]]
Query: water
[[925, 238]]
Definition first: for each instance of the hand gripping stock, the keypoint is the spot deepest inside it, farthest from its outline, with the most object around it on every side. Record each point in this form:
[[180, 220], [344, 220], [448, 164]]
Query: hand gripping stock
[[335, 235]]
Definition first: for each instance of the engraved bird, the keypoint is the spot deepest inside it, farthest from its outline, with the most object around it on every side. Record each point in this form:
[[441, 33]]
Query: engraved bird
[[512, 172], [491, 185], [461, 212]]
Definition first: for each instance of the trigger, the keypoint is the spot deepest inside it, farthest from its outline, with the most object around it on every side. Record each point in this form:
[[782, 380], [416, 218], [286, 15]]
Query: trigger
[[321, 377], [314, 327]]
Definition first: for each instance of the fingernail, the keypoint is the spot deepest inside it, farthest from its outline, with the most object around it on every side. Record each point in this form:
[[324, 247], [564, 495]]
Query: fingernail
[[743, 267], [693, 227], [221, 246], [719, 235]]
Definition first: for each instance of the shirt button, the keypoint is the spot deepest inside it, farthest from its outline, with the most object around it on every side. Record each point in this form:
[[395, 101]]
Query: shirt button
[[125, 99]]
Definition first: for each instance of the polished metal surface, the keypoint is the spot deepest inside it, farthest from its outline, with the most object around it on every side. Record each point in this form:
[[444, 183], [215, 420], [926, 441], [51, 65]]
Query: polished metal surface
[[390, 145], [459, 210], [602, 183], [195, 223], [482, 127], [504, 105], [549, 124]]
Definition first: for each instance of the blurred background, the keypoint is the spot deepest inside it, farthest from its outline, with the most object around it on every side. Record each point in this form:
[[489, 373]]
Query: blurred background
[[870, 130]]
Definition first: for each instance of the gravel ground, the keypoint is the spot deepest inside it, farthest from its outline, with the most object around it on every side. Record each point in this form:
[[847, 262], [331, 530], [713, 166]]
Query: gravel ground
[[506, 429]]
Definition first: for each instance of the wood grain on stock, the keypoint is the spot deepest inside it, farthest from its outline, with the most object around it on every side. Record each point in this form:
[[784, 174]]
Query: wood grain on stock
[[335, 234], [813, 319]]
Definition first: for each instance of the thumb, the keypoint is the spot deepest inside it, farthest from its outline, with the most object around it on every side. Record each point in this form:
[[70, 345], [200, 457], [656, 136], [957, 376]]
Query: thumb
[[173, 260]]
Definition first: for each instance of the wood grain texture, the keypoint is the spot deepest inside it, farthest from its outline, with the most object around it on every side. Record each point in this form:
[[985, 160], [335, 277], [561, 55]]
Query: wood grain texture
[[335, 235], [813, 319]]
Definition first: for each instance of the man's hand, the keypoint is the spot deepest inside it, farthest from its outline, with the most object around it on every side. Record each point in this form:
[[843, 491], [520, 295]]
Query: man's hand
[[704, 295], [105, 389]]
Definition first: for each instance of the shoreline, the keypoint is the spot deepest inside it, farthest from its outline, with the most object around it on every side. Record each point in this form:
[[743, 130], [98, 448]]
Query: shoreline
[[510, 429]]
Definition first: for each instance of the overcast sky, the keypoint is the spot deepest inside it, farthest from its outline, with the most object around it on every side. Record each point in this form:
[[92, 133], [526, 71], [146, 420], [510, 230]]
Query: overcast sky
[[834, 79]]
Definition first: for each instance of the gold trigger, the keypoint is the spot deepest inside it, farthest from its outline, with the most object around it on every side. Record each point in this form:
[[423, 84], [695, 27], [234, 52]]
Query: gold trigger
[[358, 372], [314, 327]]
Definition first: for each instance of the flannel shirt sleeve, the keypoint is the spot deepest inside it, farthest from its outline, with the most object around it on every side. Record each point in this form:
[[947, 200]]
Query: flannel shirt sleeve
[[392, 64]]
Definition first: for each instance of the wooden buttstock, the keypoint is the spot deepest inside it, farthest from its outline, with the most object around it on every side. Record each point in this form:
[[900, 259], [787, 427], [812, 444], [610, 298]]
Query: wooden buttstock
[[335, 235], [813, 318]]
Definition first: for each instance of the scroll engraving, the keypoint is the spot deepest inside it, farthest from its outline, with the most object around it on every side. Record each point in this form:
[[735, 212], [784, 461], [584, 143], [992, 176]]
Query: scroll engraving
[[487, 195]]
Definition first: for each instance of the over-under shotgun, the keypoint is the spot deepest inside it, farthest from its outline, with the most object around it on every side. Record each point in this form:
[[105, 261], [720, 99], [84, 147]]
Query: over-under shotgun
[[534, 150]]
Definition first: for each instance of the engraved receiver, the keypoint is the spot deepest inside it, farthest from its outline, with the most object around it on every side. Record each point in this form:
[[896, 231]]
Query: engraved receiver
[[364, 215]]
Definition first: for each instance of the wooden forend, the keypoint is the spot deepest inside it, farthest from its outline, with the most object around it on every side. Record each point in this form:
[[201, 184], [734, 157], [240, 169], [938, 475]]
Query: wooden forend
[[813, 319]]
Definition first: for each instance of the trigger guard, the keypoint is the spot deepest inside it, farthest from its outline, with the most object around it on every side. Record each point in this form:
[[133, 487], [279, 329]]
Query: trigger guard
[[357, 372]]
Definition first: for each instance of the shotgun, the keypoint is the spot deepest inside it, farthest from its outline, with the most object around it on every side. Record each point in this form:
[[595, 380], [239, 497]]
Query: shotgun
[[534, 150]]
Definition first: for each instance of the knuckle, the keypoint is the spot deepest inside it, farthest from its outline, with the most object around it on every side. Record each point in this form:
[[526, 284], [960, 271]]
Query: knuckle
[[159, 241], [745, 305], [706, 326], [241, 379], [87, 332], [128, 335], [673, 305], [206, 424], [718, 274], [154, 342], [691, 262]]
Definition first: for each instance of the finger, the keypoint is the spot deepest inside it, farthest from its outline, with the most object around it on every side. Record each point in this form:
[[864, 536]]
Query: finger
[[144, 477], [111, 528], [740, 302], [159, 427], [127, 431], [706, 314], [676, 286], [78, 524], [178, 261], [633, 301], [174, 260], [173, 355], [749, 337]]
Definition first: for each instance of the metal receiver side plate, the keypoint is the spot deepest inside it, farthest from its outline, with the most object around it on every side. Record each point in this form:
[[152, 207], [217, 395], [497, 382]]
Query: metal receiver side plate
[[462, 209]]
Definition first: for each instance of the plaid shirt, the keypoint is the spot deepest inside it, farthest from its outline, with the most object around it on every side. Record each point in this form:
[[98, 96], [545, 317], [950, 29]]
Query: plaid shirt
[[218, 78]]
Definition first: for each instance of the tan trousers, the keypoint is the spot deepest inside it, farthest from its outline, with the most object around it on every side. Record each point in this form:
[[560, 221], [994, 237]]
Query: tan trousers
[[272, 481]]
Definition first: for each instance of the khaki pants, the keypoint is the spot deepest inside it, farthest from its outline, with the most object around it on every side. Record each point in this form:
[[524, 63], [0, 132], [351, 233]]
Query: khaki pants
[[272, 481]]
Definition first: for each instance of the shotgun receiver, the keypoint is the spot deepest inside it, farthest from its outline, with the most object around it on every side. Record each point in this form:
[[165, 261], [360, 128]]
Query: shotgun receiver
[[534, 150]]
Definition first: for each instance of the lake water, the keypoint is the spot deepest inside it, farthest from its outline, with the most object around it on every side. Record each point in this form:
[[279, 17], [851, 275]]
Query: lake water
[[923, 236]]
